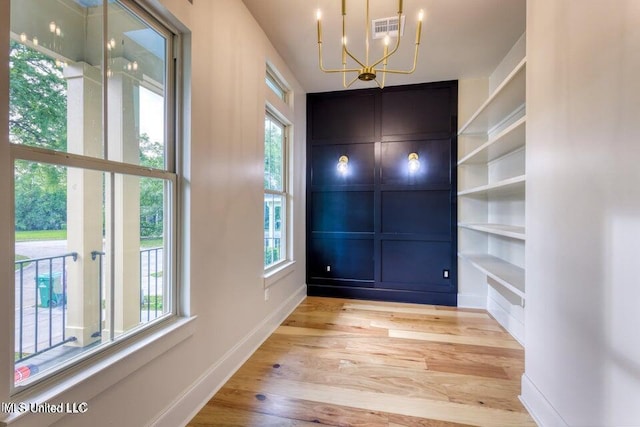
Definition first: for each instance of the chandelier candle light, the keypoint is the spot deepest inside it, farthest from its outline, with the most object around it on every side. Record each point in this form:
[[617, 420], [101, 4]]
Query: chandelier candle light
[[367, 71]]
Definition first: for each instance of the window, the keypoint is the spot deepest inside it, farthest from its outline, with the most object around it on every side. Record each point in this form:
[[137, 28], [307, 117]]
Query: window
[[275, 191], [92, 125], [275, 85]]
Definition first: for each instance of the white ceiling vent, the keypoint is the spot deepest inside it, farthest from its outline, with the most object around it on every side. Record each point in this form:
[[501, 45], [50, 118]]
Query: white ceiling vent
[[386, 26]]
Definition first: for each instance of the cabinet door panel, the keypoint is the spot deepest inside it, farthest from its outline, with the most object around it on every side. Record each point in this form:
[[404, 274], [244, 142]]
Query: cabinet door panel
[[416, 262], [343, 117], [342, 211], [341, 258], [418, 212], [414, 112], [324, 164], [434, 157]]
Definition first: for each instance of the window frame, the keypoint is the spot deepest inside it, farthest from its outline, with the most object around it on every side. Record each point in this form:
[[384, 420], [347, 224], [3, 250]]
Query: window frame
[[117, 347], [285, 210], [275, 84]]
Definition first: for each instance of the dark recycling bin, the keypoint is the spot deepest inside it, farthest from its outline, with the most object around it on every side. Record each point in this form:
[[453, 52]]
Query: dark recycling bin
[[48, 296]]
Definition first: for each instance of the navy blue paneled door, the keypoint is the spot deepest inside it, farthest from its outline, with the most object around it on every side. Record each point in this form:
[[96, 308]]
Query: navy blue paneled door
[[376, 227]]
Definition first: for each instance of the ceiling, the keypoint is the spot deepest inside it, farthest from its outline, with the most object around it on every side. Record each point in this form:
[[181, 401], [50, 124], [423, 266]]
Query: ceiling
[[460, 38]]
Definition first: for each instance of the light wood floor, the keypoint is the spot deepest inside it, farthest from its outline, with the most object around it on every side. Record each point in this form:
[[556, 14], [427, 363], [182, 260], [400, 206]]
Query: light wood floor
[[361, 363]]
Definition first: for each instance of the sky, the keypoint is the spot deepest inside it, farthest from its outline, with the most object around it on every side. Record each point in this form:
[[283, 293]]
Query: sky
[[151, 115]]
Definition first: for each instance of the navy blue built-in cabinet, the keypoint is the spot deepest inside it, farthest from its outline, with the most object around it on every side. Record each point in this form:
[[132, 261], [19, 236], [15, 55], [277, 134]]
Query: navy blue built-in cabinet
[[379, 231]]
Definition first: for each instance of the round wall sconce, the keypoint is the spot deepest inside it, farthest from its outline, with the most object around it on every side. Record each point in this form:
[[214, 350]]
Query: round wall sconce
[[413, 162], [343, 165]]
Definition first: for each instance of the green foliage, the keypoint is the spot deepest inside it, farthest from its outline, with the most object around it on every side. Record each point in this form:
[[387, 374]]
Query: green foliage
[[37, 98], [271, 255], [152, 303], [38, 117], [273, 149], [40, 206], [151, 189]]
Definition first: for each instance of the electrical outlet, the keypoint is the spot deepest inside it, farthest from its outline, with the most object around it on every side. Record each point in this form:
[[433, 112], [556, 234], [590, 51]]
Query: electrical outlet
[[328, 268], [445, 274]]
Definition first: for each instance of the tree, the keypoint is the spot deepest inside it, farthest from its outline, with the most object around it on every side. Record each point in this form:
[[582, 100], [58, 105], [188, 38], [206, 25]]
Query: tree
[[273, 140], [38, 117], [151, 190]]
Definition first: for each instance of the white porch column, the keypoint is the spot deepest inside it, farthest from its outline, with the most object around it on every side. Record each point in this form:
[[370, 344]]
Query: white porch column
[[84, 203], [124, 146]]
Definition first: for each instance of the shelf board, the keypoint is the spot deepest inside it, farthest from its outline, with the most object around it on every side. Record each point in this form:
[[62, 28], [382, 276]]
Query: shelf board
[[504, 100], [507, 141], [512, 231], [515, 185], [507, 274]]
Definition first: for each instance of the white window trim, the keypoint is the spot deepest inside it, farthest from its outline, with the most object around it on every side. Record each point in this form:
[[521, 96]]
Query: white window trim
[[278, 272], [284, 193], [280, 110], [117, 362], [275, 77]]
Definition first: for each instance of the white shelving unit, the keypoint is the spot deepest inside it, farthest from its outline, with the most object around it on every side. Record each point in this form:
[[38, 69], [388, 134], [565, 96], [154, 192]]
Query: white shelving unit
[[492, 192]]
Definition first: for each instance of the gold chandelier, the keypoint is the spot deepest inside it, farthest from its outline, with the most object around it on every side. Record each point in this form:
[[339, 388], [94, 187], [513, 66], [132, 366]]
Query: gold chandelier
[[367, 71]]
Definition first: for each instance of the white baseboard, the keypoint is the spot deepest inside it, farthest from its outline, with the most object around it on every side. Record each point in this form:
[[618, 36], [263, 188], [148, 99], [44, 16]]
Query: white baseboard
[[542, 412], [472, 301], [187, 405], [512, 324]]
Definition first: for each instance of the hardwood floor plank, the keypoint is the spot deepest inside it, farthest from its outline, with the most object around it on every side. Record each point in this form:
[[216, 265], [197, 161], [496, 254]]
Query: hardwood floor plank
[[299, 409], [455, 339], [364, 363], [414, 309], [385, 402], [215, 414]]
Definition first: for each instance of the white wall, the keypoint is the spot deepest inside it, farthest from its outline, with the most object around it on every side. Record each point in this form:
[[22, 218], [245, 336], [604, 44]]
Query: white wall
[[583, 212], [224, 243]]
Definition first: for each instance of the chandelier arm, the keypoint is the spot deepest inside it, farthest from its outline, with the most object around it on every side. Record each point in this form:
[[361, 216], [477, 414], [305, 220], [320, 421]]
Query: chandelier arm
[[415, 61], [326, 70], [344, 42], [384, 75], [354, 58], [351, 82]]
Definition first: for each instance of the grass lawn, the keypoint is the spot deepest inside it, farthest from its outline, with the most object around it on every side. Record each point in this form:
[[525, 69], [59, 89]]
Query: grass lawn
[[152, 302], [20, 258], [25, 236], [150, 243]]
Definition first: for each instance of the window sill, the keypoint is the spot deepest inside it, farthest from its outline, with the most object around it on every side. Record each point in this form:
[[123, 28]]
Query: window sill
[[278, 272], [110, 368]]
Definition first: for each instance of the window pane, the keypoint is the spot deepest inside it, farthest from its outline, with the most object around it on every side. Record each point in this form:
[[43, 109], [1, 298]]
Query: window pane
[[136, 90], [66, 251], [276, 87], [154, 290], [274, 230], [273, 155], [55, 79], [58, 268], [140, 277]]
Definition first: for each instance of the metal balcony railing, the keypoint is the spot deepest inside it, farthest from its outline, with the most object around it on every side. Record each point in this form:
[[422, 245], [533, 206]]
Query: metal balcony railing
[[41, 311]]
